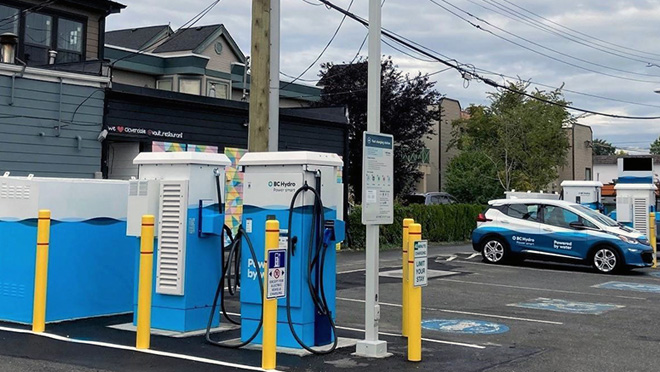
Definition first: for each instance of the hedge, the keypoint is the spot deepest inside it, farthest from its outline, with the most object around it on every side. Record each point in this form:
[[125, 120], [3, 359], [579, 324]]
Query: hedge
[[440, 223]]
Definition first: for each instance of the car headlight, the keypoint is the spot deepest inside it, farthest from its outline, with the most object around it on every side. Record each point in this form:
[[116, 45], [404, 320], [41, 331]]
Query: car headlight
[[628, 240], [634, 250]]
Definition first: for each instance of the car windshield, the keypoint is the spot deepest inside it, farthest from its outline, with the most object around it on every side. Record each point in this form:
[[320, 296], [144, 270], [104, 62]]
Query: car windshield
[[596, 216]]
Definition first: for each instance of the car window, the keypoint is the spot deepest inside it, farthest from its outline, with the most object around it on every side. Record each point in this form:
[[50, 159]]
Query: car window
[[560, 217], [527, 212], [436, 199], [414, 199]]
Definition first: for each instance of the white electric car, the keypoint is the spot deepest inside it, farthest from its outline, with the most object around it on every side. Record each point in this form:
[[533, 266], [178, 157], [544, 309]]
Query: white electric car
[[558, 230]]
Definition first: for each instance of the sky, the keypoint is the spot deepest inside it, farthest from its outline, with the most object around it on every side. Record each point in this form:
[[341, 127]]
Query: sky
[[605, 48]]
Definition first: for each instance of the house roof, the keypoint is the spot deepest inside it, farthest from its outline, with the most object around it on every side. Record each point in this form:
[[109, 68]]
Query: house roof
[[612, 159], [187, 39], [136, 38], [196, 39]]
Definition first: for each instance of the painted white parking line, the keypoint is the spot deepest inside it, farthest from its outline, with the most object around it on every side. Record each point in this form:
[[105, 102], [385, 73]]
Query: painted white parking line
[[464, 312], [473, 255], [130, 348], [452, 258], [539, 289], [350, 271], [474, 346]]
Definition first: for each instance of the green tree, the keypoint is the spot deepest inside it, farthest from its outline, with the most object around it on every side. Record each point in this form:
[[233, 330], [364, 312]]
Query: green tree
[[602, 147], [405, 114], [522, 137], [472, 178], [655, 147]]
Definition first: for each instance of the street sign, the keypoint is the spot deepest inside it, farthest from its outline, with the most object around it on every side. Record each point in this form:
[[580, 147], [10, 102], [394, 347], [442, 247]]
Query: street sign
[[421, 248], [276, 279], [420, 277], [377, 179]]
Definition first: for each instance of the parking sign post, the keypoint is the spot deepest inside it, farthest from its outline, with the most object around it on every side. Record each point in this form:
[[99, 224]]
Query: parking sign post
[[275, 283], [416, 278]]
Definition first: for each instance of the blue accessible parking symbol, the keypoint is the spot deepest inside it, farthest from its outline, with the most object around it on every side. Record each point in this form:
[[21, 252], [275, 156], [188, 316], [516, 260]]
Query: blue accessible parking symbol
[[564, 306], [463, 326], [638, 287]]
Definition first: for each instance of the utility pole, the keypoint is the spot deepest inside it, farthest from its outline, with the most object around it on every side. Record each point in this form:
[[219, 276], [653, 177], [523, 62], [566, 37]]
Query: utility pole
[[371, 346], [260, 76], [274, 100]]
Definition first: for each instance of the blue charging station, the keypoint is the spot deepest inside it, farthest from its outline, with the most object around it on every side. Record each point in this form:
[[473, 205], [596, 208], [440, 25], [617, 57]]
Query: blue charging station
[[184, 191], [271, 181]]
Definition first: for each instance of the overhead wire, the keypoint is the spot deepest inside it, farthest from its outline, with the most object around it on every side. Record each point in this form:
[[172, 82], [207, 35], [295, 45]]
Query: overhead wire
[[191, 22], [459, 67], [481, 28], [579, 32], [35, 8], [512, 14], [327, 45]]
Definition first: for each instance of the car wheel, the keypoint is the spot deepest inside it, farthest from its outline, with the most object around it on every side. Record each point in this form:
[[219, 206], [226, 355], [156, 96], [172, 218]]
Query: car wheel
[[606, 260], [493, 250]]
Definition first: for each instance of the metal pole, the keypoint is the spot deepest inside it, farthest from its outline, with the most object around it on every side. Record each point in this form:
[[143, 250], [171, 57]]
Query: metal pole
[[41, 272], [145, 283], [371, 346], [414, 298], [274, 97], [404, 287], [269, 341]]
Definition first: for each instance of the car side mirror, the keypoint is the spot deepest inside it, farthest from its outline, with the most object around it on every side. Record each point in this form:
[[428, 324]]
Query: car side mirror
[[576, 225]]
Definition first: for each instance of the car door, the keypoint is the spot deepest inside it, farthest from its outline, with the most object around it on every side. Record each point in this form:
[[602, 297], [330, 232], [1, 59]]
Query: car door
[[558, 238], [521, 226]]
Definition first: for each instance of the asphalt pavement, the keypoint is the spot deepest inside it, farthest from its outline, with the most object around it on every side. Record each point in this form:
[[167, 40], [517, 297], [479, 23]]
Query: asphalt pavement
[[477, 317]]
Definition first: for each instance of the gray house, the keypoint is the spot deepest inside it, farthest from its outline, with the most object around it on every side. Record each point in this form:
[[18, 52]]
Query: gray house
[[52, 89]]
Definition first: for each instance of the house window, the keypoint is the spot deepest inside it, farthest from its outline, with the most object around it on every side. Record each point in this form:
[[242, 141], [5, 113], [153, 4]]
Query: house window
[[69, 41], [38, 38], [164, 84], [190, 86], [217, 89], [587, 174], [9, 17]]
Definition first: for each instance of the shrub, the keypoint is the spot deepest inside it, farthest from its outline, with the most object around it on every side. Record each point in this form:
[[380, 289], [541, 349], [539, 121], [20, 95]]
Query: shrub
[[440, 223]]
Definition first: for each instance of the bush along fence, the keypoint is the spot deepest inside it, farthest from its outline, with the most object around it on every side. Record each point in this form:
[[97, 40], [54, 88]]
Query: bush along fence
[[441, 223]]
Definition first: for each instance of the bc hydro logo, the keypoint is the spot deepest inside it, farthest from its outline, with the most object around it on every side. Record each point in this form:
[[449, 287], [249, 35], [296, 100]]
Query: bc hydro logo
[[281, 184], [270, 183]]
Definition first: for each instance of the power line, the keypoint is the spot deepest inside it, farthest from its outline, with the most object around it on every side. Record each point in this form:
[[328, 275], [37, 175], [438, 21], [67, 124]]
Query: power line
[[479, 27], [322, 51], [191, 22], [512, 14], [37, 7], [578, 32], [474, 75]]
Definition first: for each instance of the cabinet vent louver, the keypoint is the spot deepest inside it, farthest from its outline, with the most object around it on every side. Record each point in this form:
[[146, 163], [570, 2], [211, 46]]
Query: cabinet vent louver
[[171, 237], [640, 215]]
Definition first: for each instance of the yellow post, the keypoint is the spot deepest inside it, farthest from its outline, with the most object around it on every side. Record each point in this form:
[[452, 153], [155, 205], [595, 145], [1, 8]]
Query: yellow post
[[404, 302], [143, 337], [269, 342], [414, 299], [41, 272], [652, 239]]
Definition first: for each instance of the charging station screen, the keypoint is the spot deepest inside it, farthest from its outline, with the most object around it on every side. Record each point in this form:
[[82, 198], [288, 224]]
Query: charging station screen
[[637, 164]]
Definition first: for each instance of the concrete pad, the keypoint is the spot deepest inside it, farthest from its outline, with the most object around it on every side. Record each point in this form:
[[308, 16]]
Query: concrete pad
[[431, 273], [342, 342], [161, 332]]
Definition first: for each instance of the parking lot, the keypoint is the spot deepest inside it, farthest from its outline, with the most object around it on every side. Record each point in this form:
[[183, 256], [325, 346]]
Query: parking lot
[[532, 317]]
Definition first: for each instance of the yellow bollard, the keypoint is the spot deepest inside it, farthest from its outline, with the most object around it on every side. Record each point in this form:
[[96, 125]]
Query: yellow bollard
[[269, 342], [414, 299], [404, 302], [143, 337], [41, 272], [653, 239]]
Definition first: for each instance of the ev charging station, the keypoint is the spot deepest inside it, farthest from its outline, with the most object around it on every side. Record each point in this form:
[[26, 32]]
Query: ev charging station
[[635, 192], [587, 193], [90, 264], [304, 192], [185, 192]]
